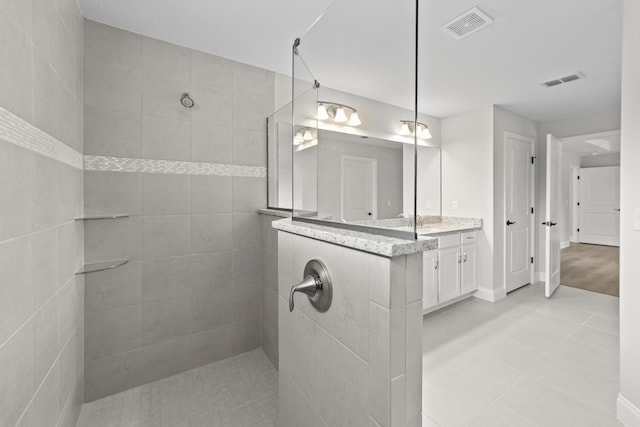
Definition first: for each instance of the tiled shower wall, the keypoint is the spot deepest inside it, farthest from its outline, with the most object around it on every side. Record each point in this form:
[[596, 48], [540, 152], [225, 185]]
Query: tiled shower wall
[[41, 299], [192, 291], [269, 309]]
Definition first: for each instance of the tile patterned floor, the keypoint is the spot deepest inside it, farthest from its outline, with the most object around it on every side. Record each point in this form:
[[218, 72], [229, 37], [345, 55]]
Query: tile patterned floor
[[241, 391], [523, 361]]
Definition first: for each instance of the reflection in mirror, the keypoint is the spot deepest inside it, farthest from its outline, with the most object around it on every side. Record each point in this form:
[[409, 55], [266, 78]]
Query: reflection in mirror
[[363, 178]]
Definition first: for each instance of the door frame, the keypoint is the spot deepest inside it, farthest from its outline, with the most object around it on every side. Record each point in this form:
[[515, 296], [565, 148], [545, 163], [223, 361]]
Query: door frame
[[374, 183], [574, 236], [532, 224]]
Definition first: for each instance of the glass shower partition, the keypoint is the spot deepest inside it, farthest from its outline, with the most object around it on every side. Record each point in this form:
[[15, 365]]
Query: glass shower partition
[[355, 126]]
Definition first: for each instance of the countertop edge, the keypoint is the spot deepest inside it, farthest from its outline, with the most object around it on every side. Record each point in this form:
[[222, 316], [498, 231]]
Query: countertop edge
[[375, 244]]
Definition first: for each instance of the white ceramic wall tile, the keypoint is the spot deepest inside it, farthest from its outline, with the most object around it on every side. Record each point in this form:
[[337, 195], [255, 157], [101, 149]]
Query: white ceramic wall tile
[[17, 131], [41, 171]]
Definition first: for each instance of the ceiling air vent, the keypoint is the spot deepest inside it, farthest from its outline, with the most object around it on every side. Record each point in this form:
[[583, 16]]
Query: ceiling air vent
[[565, 79], [468, 23]]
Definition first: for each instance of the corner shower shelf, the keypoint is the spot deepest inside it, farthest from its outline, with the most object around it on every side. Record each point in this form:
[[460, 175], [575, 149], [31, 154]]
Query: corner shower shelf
[[101, 266], [95, 217]]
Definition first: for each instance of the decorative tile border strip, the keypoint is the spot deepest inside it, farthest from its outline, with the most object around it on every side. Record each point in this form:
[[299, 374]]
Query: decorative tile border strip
[[124, 164], [18, 131]]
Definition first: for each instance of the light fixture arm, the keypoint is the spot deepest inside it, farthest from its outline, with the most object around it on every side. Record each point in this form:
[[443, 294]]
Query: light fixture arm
[[336, 104]]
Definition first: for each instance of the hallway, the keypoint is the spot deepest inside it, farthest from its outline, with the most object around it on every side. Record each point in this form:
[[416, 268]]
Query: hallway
[[591, 267]]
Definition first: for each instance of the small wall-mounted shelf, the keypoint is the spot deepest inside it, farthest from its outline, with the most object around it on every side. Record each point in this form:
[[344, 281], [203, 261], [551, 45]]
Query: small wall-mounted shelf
[[101, 266], [95, 217]]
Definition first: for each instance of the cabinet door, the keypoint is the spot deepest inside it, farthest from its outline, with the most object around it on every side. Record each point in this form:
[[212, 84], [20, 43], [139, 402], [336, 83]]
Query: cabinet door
[[429, 279], [469, 268], [449, 273]]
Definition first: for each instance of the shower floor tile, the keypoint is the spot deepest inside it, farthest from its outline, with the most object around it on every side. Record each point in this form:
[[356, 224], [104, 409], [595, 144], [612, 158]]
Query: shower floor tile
[[241, 391]]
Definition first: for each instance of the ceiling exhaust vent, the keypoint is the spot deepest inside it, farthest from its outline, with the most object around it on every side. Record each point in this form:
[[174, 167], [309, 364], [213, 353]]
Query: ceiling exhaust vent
[[468, 23], [565, 79]]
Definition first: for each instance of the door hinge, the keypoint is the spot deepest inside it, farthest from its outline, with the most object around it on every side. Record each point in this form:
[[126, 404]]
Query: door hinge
[[578, 176], [578, 203], [531, 210], [578, 230], [533, 160], [531, 260]]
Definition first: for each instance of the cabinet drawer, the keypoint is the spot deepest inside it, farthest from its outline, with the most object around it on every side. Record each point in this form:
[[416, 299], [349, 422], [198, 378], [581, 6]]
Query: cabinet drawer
[[468, 237], [448, 240]]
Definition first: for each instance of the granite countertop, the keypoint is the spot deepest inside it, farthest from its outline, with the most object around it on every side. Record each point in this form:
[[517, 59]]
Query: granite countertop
[[449, 225], [366, 242], [432, 225]]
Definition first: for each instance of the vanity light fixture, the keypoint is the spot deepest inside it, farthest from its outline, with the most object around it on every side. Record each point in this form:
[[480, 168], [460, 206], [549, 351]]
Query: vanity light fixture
[[338, 113], [303, 135], [408, 127]]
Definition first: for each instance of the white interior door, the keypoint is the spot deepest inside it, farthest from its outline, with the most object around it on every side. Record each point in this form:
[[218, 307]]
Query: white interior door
[[600, 205], [552, 234], [359, 188], [518, 204]]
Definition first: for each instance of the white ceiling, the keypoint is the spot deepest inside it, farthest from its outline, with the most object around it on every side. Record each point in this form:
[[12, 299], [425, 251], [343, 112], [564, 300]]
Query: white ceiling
[[366, 47], [593, 144]]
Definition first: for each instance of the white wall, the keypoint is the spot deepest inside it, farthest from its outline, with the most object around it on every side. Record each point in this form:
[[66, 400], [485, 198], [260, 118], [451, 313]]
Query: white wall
[[600, 160], [504, 121], [629, 400], [467, 177], [580, 125]]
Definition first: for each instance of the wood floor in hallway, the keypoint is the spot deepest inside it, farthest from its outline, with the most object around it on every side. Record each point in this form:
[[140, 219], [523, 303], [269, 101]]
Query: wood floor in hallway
[[592, 267]]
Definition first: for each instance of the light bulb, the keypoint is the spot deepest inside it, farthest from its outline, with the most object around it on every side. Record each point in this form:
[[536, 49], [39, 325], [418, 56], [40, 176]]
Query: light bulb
[[354, 119], [426, 133], [298, 139], [340, 117], [307, 136], [404, 129], [322, 112]]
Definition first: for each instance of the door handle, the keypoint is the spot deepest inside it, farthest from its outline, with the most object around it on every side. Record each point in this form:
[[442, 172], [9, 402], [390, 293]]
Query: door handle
[[510, 222], [436, 264], [459, 258], [617, 209], [316, 285], [549, 223], [464, 258]]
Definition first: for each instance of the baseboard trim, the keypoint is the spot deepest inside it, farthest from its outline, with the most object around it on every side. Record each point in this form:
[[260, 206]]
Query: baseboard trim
[[628, 413], [564, 245], [491, 295]]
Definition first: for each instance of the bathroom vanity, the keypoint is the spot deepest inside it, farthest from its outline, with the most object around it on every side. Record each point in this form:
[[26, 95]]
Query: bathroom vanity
[[450, 273]]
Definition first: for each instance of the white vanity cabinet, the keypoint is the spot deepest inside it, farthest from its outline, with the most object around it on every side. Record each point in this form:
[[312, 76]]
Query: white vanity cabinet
[[451, 271]]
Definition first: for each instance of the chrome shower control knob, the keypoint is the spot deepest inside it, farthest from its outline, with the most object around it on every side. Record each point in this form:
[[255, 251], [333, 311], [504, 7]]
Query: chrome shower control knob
[[316, 285]]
